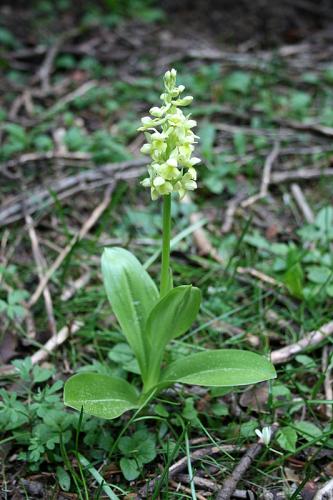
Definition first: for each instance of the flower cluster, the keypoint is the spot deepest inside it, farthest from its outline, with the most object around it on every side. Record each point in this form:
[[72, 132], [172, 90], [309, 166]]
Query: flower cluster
[[170, 143]]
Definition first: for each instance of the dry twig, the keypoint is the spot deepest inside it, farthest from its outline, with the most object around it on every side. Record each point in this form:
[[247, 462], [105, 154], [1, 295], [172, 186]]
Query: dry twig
[[328, 387], [266, 176], [68, 186], [309, 340], [180, 487], [181, 464], [231, 210], [231, 482], [48, 155], [44, 352], [301, 174], [55, 342], [302, 203], [74, 286], [40, 266]]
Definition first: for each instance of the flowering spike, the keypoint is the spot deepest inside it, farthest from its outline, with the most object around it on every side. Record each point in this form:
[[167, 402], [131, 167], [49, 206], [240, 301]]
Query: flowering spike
[[170, 143]]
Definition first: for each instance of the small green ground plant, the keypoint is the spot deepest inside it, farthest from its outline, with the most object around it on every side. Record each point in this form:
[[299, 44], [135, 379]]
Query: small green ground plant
[[151, 318]]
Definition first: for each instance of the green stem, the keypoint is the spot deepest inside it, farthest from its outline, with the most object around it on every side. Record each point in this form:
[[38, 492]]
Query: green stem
[[165, 271]]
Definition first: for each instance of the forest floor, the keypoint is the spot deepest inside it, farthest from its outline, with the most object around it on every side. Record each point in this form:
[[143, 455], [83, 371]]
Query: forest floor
[[256, 237]]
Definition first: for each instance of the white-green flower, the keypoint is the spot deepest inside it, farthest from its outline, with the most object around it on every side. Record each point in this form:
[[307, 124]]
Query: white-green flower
[[265, 435], [170, 143]]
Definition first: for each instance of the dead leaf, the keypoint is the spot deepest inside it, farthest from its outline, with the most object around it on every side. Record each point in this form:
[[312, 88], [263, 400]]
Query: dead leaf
[[8, 347], [256, 397]]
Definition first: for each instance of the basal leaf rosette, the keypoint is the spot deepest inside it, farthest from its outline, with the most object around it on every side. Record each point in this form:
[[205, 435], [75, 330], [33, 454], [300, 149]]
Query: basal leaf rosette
[[170, 143]]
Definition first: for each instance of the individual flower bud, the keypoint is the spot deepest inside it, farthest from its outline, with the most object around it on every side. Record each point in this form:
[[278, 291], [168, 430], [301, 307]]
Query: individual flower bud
[[172, 162], [191, 123], [158, 181], [146, 148], [146, 182], [193, 173], [265, 435], [194, 161], [156, 111], [190, 185], [185, 101]]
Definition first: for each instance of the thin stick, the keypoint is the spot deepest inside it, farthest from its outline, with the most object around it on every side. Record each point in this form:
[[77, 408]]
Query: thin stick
[[309, 340], [40, 265], [301, 174], [231, 482], [55, 342], [47, 155], [76, 238], [44, 72], [43, 353], [74, 286], [178, 486], [327, 369], [232, 206], [325, 492], [266, 176], [181, 464], [302, 203], [40, 198]]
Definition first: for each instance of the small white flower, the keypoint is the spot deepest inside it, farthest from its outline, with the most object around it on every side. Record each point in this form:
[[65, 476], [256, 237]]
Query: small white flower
[[265, 435]]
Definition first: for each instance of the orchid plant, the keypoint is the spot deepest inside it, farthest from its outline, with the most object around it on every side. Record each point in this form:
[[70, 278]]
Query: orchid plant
[[150, 318]]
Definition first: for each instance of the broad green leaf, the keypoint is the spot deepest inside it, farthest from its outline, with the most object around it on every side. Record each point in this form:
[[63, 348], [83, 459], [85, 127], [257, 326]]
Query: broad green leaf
[[319, 274], [324, 219], [238, 81], [287, 438], [130, 468], [308, 430], [100, 395], [225, 367], [132, 294], [64, 478], [173, 315]]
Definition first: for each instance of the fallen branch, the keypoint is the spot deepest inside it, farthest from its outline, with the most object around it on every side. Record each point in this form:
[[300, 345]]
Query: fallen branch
[[315, 128], [89, 179], [301, 174], [40, 266], [231, 482], [181, 464], [48, 155], [309, 340]]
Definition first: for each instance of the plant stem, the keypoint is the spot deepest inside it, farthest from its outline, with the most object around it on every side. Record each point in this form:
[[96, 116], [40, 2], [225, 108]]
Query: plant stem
[[165, 272]]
